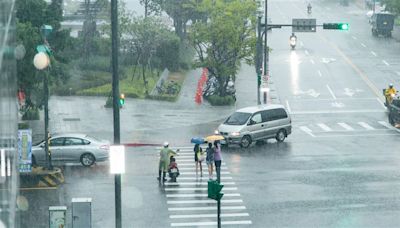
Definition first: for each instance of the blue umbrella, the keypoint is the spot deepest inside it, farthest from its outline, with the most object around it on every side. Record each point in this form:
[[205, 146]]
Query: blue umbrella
[[197, 140]]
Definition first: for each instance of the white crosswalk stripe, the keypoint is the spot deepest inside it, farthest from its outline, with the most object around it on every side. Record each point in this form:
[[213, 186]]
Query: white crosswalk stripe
[[346, 126], [188, 202], [324, 127], [366, 126]]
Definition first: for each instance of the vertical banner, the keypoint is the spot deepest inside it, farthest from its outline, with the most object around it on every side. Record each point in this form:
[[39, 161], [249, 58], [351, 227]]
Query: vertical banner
[[25, 150]]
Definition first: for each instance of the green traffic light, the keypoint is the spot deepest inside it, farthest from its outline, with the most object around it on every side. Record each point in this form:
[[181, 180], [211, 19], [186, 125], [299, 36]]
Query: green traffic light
[[344, 26]]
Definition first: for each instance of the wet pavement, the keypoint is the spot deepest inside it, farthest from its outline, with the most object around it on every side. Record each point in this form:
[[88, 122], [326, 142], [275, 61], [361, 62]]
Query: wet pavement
[[339, 167]]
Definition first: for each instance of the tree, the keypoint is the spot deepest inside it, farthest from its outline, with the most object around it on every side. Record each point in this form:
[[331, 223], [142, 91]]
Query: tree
[[392, 5], [151, 7], [31, 15], [225, 40]]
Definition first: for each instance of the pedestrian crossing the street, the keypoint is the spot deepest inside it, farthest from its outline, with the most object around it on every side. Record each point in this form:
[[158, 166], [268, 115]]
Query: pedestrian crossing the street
[[187, 199], [367, 127]]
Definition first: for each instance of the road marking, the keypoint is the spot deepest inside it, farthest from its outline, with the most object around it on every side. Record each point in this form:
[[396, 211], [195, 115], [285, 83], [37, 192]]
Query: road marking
[[386, 63], [203, 201], [193, 183], [198, 189], [209, 215], [324, 127], [319, 73], [307, 130], [331, 92], [365, 125], [204, 172], [194, 164], [398, 73], [312, 61], [373, 53], [356, 135], [380, 102], [288, 106], [346, 126], [247, 222], [386, 124], [206, 208], [306, 52], [202, 178], [200, 195], [29, 189], [362, 44], [337, 111], [194, 168], [354, 38]]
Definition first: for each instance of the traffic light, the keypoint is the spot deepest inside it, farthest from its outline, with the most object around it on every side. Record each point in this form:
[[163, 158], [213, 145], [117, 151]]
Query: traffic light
[[121, 99], [214, 190], [336, 26]]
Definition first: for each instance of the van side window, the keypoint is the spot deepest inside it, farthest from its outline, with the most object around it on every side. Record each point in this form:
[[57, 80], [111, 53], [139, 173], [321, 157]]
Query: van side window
[[274, 114], [267, 115], [256, 118], [280, 113]]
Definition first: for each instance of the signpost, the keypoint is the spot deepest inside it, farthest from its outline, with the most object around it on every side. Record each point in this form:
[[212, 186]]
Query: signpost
[[214, 192], [25, 150]]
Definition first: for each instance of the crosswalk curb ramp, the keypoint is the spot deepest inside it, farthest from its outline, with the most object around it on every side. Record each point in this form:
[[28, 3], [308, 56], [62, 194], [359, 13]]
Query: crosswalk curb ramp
[[42, 178]]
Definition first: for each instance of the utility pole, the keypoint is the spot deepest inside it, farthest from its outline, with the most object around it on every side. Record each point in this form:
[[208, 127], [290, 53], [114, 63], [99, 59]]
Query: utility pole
[[266, 49], [116, 105], [259, 59]]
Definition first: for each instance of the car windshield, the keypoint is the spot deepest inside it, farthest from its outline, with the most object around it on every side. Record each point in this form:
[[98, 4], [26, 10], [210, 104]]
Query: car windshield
[[238, 118]]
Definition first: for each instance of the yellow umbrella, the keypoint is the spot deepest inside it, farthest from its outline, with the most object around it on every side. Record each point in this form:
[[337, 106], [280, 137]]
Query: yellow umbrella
[[211, 138]]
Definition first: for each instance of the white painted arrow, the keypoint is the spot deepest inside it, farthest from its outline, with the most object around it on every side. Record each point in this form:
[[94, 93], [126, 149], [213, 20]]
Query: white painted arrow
[[348, 92], [337, 104]]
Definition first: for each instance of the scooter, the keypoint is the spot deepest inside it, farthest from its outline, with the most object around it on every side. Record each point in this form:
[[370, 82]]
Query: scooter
[[173, 170], [292, 42], [309, 9]]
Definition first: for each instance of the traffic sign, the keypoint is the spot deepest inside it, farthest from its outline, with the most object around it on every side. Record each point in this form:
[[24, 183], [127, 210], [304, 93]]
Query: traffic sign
[[304, 25], [214, 190]]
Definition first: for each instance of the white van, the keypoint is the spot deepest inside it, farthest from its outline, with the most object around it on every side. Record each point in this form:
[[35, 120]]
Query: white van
[[255, 123]]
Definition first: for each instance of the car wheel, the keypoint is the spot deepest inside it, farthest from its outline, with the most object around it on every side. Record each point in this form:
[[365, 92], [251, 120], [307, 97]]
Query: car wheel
[[87, 159], [245, 142], [280, 135]]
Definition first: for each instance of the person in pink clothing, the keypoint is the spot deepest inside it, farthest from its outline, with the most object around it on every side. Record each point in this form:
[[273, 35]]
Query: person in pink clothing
[[217, 159]]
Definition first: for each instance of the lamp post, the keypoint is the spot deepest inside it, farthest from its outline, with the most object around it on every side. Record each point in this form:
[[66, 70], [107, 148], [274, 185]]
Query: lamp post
[[41, 61]]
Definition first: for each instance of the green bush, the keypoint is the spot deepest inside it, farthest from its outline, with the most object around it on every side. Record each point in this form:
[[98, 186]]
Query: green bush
[[220, 101], [165, 97], [31, 114]]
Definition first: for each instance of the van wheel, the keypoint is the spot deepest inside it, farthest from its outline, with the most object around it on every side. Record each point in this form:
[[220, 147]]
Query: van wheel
[[245, 142], [280, 135]]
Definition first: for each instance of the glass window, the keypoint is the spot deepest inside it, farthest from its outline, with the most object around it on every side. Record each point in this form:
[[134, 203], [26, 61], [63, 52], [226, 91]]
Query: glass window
[[86, 142], [57, 142], [256, 119], [238, 118], [73, 141]]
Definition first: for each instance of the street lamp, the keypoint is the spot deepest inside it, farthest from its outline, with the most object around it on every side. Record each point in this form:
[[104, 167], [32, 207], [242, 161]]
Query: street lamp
[[41, 61]]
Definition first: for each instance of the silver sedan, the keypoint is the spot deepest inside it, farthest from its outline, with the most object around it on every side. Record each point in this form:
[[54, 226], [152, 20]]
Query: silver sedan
[[72, 148]]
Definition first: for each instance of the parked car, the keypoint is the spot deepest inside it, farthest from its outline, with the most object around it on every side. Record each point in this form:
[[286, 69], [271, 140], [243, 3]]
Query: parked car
[[256, 123], [72, 148]]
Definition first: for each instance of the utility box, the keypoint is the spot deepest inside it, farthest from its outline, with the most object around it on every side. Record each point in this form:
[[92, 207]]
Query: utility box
[[81, 212], [57, 216]]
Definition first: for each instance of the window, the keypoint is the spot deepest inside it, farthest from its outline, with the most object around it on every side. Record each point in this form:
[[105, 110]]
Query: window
[[73, 141], [256, 119], [86, 142], [274, 114], [57, 142]]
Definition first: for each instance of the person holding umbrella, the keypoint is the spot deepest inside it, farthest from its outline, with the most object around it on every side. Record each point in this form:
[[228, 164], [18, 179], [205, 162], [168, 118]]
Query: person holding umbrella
[[198, 158], [210, 160], [217, 159]]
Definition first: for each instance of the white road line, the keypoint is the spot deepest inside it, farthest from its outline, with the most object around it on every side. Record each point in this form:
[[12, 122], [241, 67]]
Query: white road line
[[206, 208], [354, 38], [193, 183], [374, 54], [306, 52], [380, 102], [387, 125], [307, 130], [324, 127], [362, 44], [204, 172], [214, 224], [200, 195], [194, 165], [288, 106], [204, 178], [194, 168], [319, 73], [346, 126], [203, 201], [331, 92], [398, 73], [386, 63], [197, 189], [225, 215], [365, 125], [337, 111], [312, 61]]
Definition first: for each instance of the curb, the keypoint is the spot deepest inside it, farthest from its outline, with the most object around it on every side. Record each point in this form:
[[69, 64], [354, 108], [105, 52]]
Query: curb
[[42, 178]]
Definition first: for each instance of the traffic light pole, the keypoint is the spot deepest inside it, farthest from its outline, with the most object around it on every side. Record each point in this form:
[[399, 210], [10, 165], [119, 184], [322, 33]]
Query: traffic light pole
[[116, 105], [218, 170], [266, 49], [258, 58]]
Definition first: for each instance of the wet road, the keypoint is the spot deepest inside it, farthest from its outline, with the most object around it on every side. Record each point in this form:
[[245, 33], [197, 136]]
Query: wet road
[[339, 168]]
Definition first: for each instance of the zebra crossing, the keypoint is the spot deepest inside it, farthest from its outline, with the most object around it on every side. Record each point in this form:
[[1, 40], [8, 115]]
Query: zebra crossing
[[346, 127], [188, 202]]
